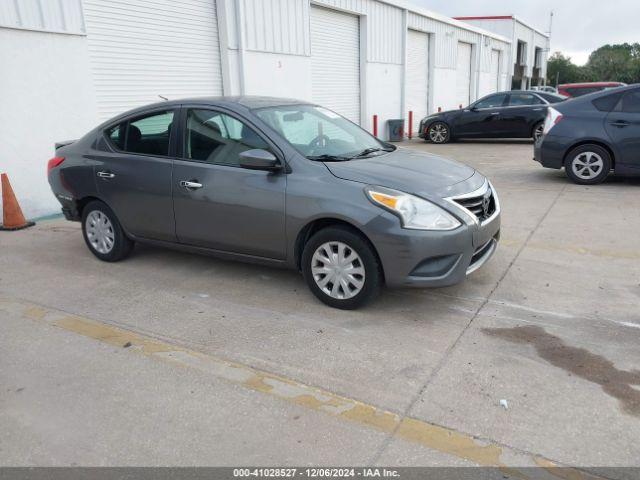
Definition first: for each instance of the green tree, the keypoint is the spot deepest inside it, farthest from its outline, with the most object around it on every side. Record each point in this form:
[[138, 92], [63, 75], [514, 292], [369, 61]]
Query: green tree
[[615, 63], [562, 69]]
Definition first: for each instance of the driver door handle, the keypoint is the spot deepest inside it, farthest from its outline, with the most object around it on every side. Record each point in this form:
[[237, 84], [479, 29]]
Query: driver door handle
[[495, 113], [620, 124], [105, 174], [190, 184]]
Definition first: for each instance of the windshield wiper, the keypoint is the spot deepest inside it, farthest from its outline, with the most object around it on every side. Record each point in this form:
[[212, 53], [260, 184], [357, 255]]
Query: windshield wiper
[[329, 158], [368, 151]]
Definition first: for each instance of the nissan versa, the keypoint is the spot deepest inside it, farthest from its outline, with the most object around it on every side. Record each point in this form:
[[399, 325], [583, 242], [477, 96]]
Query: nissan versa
[[280, 182]]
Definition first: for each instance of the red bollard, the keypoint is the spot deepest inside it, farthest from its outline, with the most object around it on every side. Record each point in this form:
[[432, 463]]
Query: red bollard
[[439, 109], [410, 124], [375, 125]]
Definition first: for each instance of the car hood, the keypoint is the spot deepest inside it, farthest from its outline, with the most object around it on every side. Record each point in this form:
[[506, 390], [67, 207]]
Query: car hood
[[413, 172]]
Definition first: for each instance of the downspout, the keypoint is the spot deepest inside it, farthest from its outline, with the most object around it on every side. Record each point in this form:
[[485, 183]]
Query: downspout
[[240, 40]]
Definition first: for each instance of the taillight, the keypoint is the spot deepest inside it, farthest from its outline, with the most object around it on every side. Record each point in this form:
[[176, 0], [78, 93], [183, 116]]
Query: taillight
[[53, 163], [553, 118]]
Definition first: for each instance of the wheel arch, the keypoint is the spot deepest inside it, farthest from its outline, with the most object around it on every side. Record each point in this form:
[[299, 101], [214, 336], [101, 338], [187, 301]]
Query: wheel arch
[[318, 224], [598, 143]]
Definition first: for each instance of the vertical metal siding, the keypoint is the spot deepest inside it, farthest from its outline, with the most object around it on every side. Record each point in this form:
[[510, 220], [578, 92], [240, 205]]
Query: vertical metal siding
[[63, 16], [140, 49], [276, 26]]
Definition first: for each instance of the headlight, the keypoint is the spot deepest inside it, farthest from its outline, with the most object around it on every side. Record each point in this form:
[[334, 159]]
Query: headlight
[[415, 213]]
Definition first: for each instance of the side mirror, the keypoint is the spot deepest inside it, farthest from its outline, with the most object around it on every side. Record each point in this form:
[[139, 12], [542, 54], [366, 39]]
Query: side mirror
[[258, 159]]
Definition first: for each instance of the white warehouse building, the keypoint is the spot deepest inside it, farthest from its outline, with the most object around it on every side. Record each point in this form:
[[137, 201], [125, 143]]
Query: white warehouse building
[[70, 64], [529, 48]]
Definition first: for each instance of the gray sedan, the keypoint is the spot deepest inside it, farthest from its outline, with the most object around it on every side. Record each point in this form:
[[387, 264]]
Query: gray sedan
[[279, 182]]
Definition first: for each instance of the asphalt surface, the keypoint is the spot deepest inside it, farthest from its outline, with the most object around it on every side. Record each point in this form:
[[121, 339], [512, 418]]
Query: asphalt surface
[[551, 326]]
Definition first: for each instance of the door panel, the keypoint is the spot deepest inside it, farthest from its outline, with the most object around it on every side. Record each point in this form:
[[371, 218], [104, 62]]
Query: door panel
[[623, 126], [523, 112], [485, 119], [229, 208], [135, 181], [236, 210]]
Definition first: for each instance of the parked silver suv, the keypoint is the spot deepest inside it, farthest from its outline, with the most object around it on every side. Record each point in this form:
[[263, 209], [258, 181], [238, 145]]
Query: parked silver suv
[[281, 182]]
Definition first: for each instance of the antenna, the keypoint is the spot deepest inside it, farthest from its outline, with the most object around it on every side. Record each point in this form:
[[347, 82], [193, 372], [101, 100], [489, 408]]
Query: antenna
[[164, 98]]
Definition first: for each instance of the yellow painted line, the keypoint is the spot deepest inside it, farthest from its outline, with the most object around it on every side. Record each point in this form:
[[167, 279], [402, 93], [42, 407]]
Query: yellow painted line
[[432, 436]]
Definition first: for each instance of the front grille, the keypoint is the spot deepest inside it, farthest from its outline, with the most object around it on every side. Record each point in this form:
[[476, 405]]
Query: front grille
[[483, 206]]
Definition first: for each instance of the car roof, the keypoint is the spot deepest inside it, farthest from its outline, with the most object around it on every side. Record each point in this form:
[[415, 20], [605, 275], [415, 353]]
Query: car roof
[[246, 102], [590, 84]]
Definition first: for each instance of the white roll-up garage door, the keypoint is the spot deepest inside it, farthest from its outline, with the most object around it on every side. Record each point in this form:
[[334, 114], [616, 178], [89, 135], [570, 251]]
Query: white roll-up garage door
[[141, 49], [335, 61], [495, 70], [463, 74], [417, 91]]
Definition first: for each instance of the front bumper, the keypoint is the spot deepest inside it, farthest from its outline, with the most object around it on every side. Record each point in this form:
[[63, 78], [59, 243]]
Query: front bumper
[[416, 258]]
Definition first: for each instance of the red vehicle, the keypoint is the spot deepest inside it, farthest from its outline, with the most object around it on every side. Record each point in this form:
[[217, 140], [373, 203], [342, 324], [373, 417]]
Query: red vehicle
[[579, 89]]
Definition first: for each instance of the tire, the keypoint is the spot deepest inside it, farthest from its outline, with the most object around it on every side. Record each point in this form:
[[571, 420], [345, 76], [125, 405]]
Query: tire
[[343, 240], [536, 133], [103, 234], [438, 133], [588, 164]]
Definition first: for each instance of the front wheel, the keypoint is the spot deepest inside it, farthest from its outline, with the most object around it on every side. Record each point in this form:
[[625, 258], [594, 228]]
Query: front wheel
[[103, 234], [341, 268], [438, 132], [588, 164]]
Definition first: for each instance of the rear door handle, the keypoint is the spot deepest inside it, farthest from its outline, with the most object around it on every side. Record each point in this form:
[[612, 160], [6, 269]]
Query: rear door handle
[[105, 174], [190, 184], [620, 124], [495, 113]]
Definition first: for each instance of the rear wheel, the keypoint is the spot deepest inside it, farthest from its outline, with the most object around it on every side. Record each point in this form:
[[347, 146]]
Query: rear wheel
[[103, 234], [588, 164], [438, 132], [341, 268]]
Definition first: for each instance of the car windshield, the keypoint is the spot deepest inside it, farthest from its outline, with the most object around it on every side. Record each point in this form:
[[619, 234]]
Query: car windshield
[[320, 134]]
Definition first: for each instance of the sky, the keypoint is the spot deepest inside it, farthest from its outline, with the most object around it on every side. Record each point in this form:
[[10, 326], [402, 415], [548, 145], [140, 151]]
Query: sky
[[579, 26]]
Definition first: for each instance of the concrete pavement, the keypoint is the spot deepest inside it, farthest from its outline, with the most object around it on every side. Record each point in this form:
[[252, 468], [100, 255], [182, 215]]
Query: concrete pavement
[[551, 325]]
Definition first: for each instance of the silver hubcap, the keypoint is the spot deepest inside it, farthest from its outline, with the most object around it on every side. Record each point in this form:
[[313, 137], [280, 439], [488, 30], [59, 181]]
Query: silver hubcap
[[338, 270], [587, 165], [438, 133], [100, 232], [538, 132]]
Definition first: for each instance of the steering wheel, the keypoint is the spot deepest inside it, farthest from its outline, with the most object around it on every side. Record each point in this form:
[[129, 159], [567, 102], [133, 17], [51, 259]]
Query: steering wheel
[[321, 141]]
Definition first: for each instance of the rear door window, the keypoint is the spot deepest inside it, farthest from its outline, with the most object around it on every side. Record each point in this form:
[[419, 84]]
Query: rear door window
[[146, 135], [491, 102], [524, 99]]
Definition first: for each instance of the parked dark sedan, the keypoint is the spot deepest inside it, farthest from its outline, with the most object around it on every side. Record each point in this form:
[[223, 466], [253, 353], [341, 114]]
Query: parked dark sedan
[[592, 135], [278, 182], [516, 114]]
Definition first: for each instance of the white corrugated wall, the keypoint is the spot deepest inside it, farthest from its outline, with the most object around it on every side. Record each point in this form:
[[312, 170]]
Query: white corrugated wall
[[142, 49]]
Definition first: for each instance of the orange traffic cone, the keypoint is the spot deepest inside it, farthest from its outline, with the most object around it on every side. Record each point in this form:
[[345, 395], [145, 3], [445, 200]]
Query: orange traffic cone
[[12, 217]]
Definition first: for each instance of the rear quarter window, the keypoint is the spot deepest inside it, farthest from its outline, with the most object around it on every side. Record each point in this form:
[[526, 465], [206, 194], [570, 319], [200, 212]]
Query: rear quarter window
[[607, 103]]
